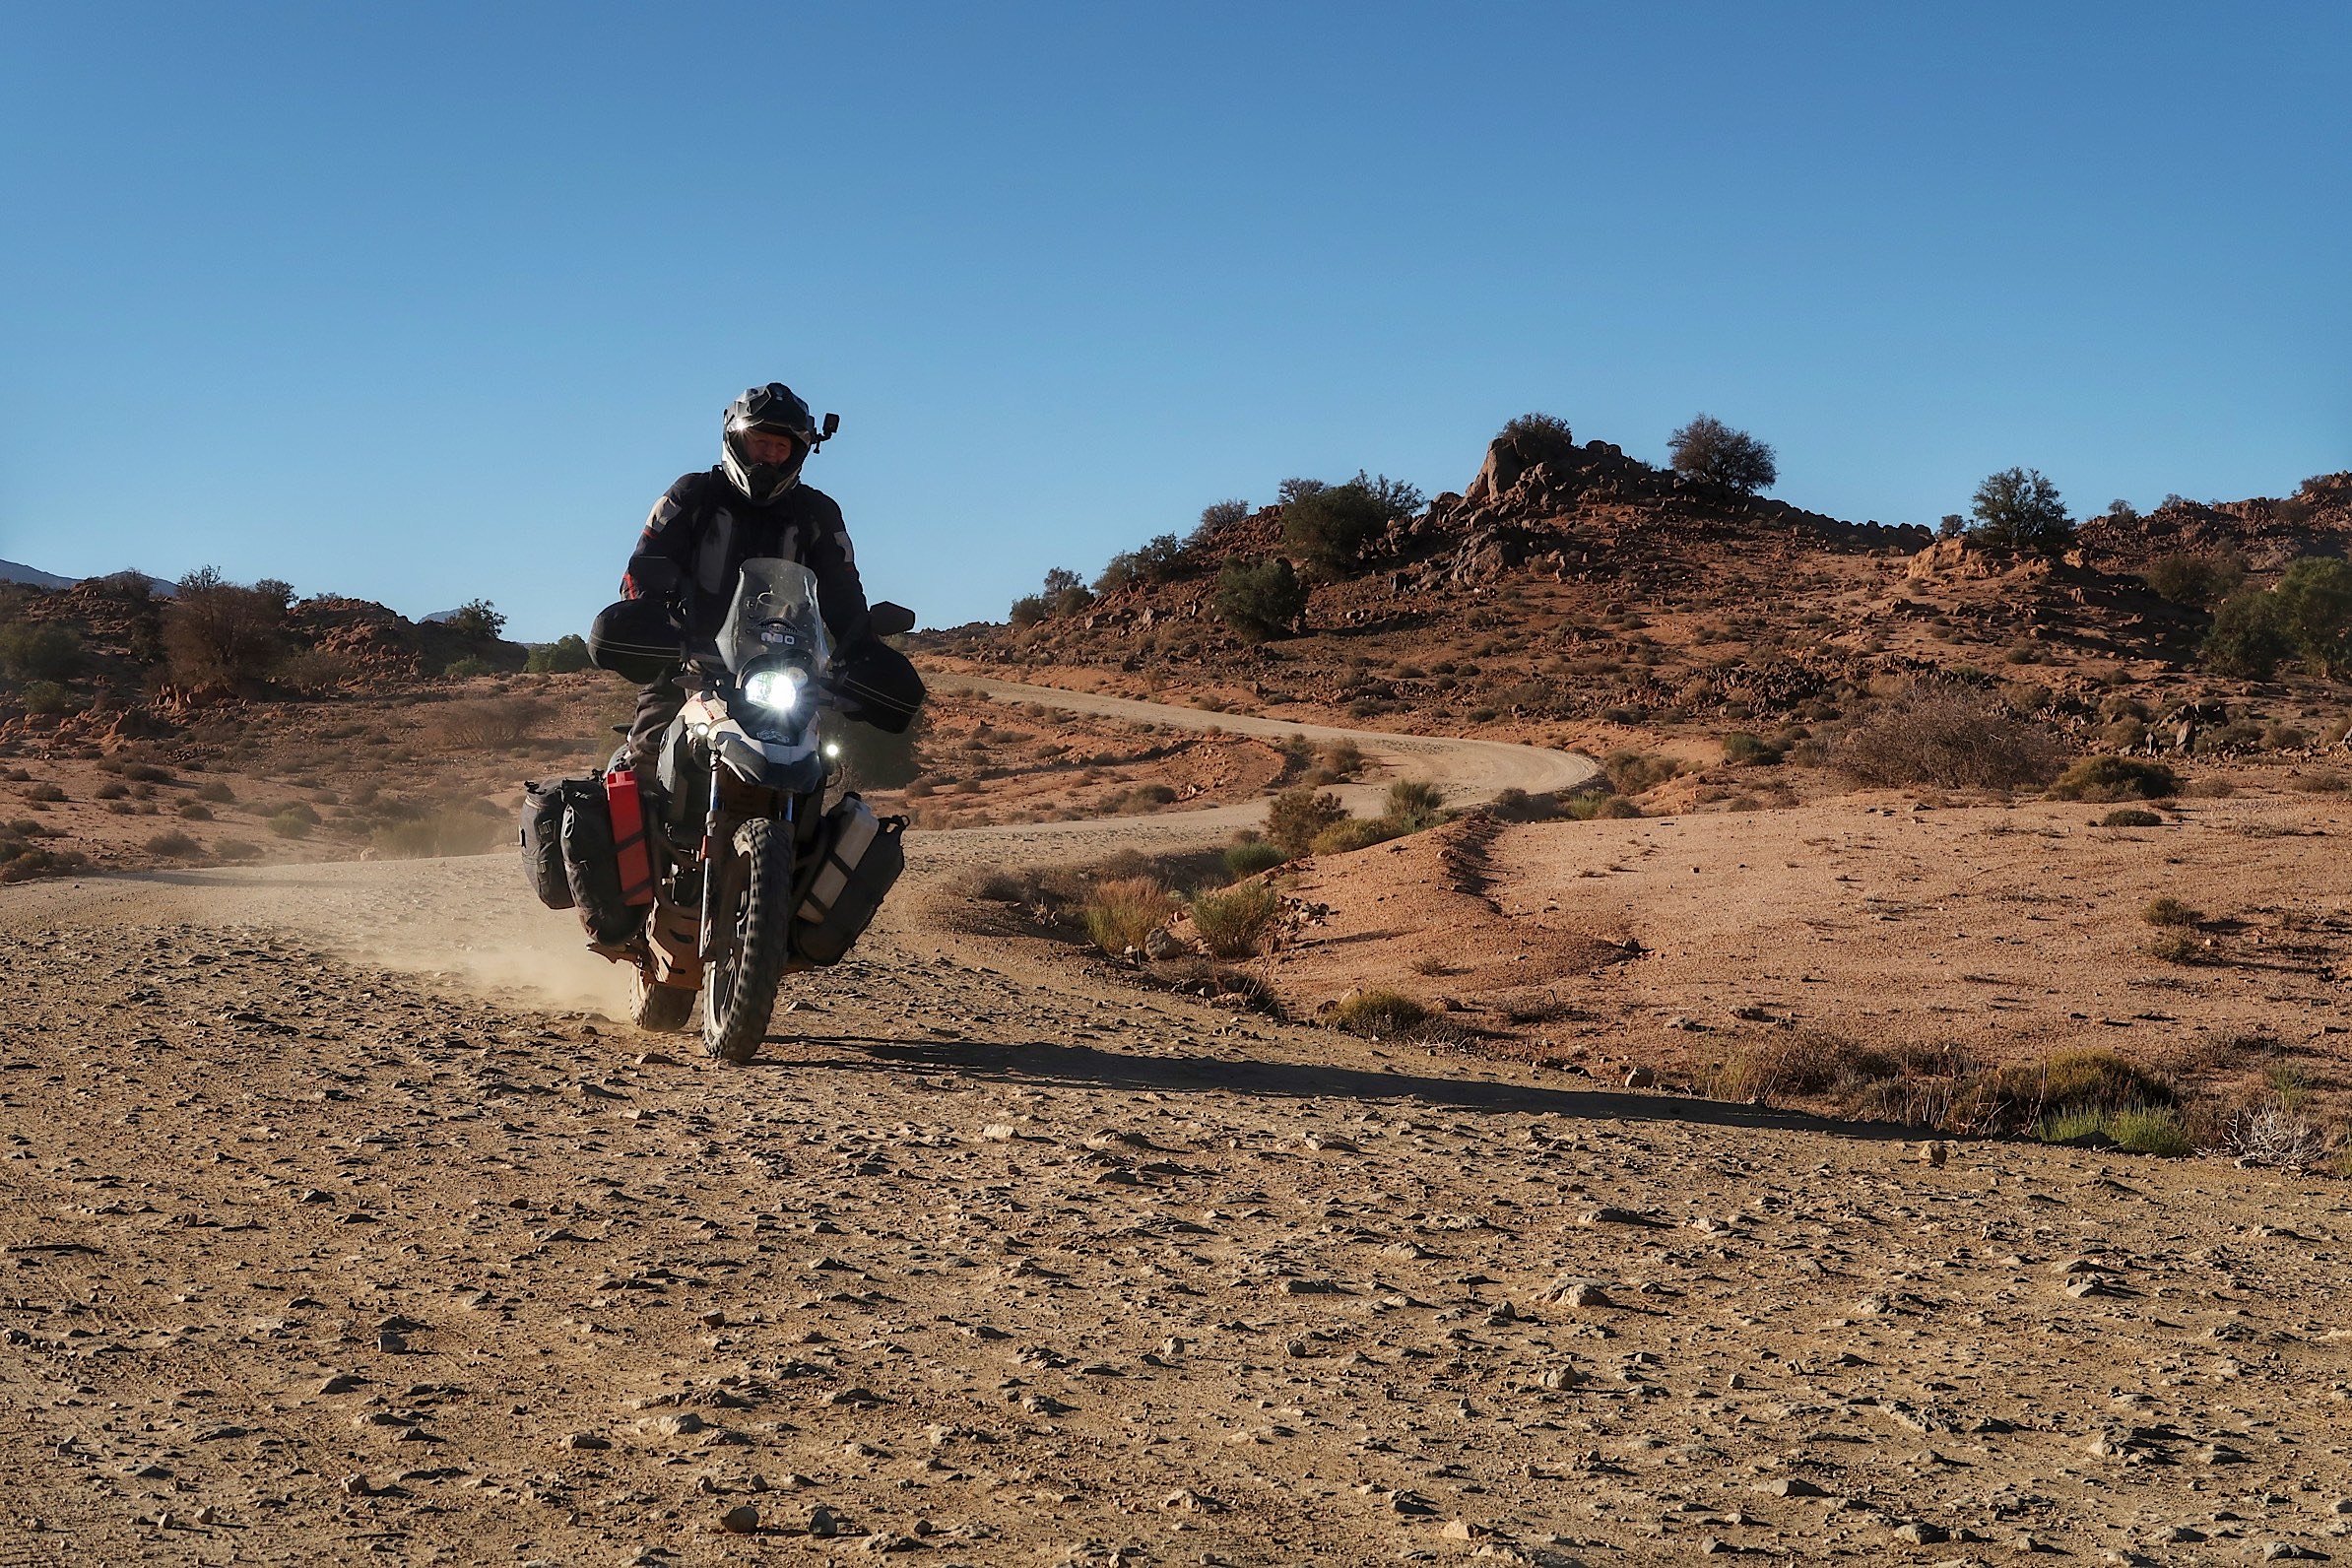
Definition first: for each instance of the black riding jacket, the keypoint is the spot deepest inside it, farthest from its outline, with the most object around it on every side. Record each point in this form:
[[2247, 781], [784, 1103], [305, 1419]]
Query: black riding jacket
[[708, 528]]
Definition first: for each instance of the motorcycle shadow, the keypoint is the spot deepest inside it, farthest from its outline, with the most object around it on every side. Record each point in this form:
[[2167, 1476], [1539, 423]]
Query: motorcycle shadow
[[1050, 1063]]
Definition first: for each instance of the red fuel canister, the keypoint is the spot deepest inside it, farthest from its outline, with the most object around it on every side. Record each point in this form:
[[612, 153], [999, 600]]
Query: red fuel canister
[[628, 836]]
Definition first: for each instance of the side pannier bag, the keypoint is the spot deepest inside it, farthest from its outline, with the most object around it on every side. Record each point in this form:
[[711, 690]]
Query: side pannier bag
[[859, 856], [543, 842], [592, 865]]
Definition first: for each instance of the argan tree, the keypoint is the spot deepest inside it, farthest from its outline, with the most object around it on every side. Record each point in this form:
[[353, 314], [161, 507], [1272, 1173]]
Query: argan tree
[[2018, 510], [1709, 451]]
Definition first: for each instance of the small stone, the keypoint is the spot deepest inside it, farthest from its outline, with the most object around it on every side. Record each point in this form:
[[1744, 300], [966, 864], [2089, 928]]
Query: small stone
[[998, 1133], [208, 1515], [1921, 1534], [357, 1487], [1641, 1078], [1793, 1486], [741, 1519], [587, 1441], [1934, 1151], [340, 1383], [823, 1522], [1461, 1529], [391, 1344]]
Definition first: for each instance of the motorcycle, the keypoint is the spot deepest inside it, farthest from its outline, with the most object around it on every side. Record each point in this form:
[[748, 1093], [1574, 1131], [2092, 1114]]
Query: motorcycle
[[754, 877]]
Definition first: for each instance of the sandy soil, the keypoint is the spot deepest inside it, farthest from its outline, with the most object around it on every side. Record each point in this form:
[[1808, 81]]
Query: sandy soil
[[335, 1233]]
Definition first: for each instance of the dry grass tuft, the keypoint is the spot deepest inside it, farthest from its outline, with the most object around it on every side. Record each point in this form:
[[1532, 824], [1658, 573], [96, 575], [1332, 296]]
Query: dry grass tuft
[[1950, 737], [1380, 1014], [1235, 922], [1122, 911]]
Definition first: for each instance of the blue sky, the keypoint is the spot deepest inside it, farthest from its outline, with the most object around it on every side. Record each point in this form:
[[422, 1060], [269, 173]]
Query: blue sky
[[428, 301]]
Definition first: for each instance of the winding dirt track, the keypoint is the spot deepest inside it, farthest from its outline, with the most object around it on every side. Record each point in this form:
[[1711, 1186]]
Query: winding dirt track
[[313, 1255]]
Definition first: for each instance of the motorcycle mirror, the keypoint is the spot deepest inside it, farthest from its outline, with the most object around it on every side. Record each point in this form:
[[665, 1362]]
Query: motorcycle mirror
[[890, 620]]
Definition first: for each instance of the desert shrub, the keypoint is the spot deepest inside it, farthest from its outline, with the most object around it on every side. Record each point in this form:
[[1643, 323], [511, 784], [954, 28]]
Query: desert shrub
[[1332, 523], [1250, 858], [235, 849], [439, 833], [45, 792], [1028, 611], [468, 667], [1217, 516], [293, 821], [2248, 636], [1121, 912], [2176, 947], [1804, 1064], [2131, 816], [317, 671], [2322, 781], [492, 723], [1709, 451], [217, 635], [1516, 804], [1233, 923], [1743, 750], [1631, 773], [48, 697], [2117, 778], [2170, 912], [2196, 578], [1259, 600], [1063, 593], [110, 790], [475, 621], [2151, 1129], [1587, 804], [30, 652], [567, 655], [1295, 817], [2273, 1134], [1539, 438], [1379, 1015], [195, 811], [1945, 736], [1332, 762], [2018, 510], [1413, 804], [176, 844], [215, 791], [2026, 1094], [1352, 834]]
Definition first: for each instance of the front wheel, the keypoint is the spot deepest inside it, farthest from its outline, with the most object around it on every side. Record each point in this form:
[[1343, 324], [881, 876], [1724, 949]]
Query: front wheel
[[740, 991]]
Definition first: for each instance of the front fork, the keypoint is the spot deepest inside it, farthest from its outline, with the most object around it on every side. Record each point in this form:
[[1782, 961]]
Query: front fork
[[718, 840]]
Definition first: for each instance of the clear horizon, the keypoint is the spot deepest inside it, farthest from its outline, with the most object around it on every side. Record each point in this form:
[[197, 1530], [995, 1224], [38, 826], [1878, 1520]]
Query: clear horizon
[[429, 303]]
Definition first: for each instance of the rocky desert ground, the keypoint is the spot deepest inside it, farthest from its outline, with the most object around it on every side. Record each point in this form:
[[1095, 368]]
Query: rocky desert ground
[[341, 1224]]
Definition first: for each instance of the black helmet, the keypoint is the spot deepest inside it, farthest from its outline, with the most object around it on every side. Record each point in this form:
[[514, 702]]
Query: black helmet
[[773, 408]]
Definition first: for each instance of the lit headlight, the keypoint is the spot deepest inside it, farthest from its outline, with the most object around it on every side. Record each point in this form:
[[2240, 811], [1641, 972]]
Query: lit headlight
[[776, 689]]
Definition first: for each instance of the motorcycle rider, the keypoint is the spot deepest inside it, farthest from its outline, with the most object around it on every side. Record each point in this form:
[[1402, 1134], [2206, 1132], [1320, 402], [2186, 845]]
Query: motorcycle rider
[[681, 575]]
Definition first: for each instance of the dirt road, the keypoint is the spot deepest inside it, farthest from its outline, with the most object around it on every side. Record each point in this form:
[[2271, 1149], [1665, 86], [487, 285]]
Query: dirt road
[[315, 1255]]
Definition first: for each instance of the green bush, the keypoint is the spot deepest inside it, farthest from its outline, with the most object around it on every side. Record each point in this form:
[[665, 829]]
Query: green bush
[[2170, 912], [1380, 1014], [1233, 922], [2131, 816], [2307, 614], [1250, 858], [1296, 817], [175, 844], [1709, 451], [2018, 510], [2193, 578], [1414, 806], [293, 821], [1259, 600], [567, 655], [217, 635], [1539, 438], [2117, 778], [1332, 523], [47, 696], [469, 667], [1631, 773], [476, 621], [1743, 750], [1587, 804], [47, 653]]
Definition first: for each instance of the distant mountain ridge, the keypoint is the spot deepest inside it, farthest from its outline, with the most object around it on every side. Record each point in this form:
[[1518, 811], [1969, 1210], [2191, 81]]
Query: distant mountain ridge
[[18, 571]]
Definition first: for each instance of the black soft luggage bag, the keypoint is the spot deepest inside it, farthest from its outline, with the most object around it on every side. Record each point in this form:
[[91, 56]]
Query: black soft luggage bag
[[543, 842], [861, 855], [592, 868]]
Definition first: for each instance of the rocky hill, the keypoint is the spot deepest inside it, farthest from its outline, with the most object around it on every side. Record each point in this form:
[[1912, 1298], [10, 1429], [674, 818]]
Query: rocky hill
[[1578, 583]]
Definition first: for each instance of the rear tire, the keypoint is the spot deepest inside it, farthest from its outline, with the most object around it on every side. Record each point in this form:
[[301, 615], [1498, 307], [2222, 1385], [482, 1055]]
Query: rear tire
[[665, 1009], [740, 993]]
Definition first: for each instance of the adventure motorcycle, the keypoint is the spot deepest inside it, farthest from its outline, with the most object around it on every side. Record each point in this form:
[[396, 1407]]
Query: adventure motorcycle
[[751, 875]]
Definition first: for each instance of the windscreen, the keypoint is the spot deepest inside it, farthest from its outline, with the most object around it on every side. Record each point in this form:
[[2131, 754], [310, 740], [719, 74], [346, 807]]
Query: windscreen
[[774, 617]]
